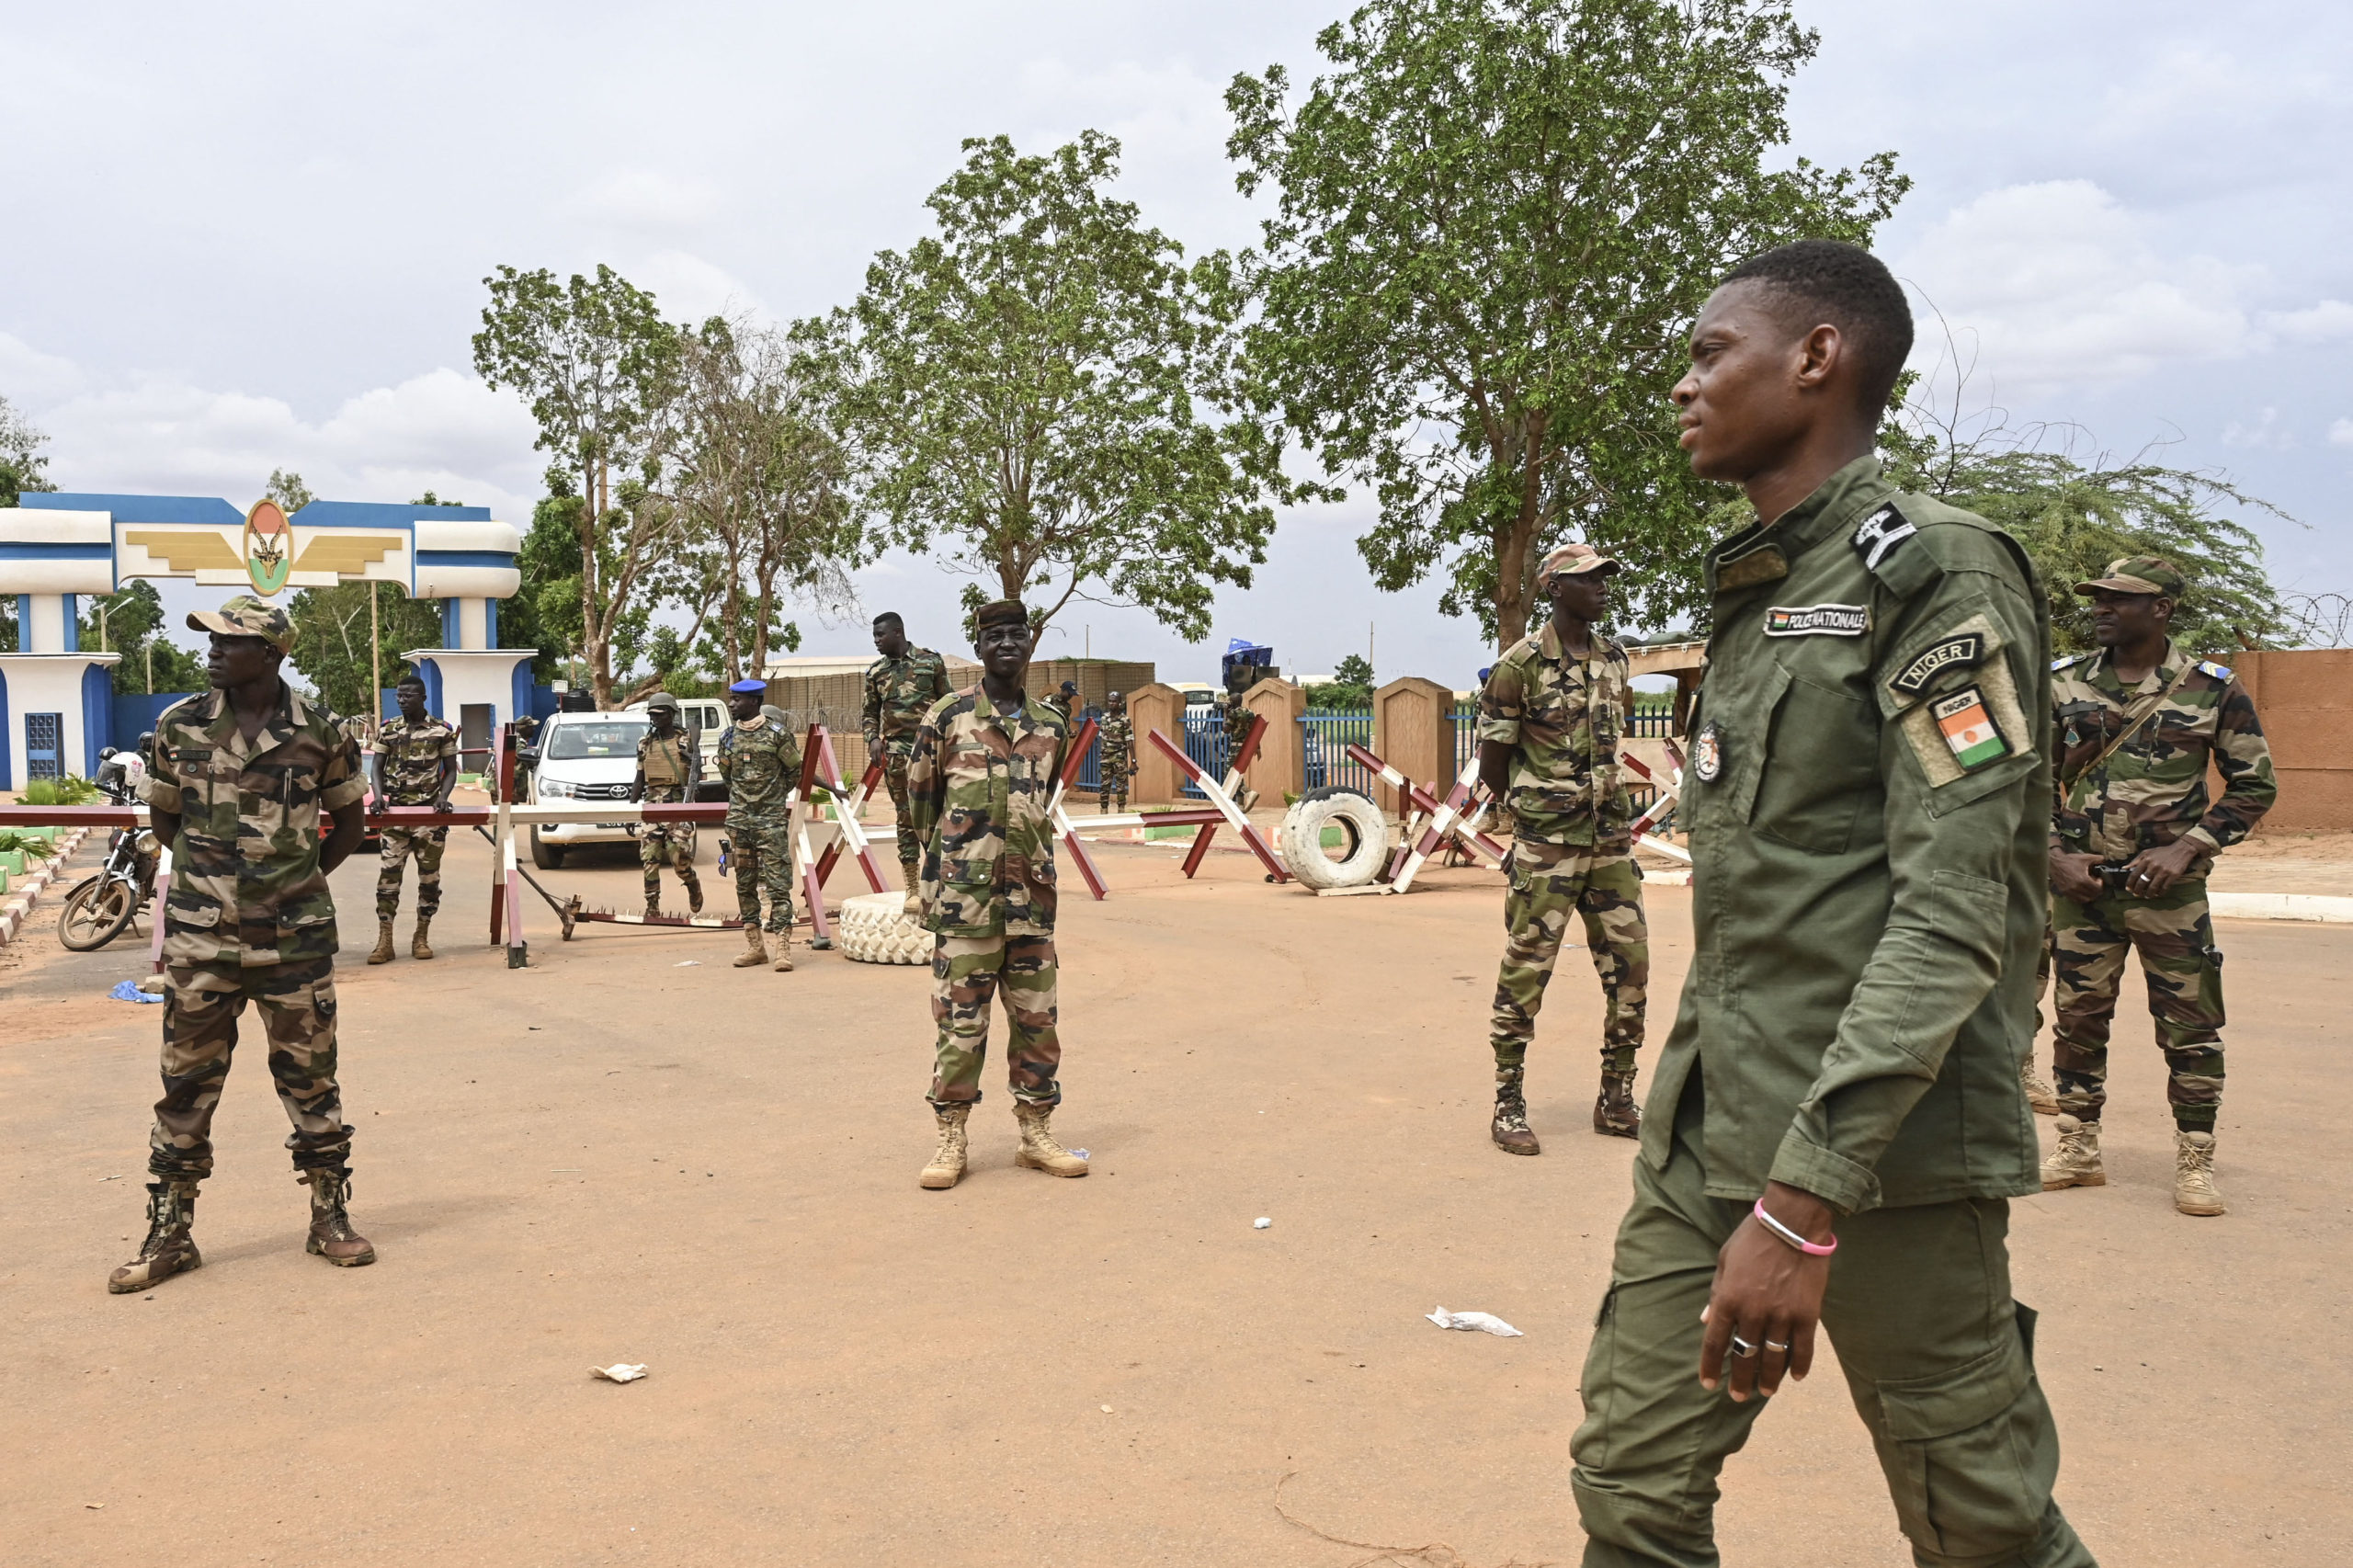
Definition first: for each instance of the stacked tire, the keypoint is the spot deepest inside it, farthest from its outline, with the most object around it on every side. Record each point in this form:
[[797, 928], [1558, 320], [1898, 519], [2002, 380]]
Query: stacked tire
[[874, 927], [1364, 839]]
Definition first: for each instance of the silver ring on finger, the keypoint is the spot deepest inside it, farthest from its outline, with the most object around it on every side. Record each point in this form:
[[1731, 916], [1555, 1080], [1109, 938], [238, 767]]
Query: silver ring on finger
[[1776, 1345], [1742, 1347]]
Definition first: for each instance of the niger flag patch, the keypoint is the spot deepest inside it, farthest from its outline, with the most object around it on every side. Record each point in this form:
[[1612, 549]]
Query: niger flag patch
[[1968, 729]]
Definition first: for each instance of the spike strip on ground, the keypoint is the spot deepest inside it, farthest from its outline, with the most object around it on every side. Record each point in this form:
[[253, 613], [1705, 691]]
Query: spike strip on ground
[[1073, 760], [856, 807], [1462, 831], [1225, 807]]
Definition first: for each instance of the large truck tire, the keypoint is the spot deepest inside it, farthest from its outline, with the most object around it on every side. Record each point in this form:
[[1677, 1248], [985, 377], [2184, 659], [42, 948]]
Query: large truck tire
[[874, 927], [1364, 838]]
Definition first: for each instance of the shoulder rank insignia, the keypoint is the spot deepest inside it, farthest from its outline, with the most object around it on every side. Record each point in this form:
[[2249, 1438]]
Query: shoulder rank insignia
[[2220, 672], [2070, 659], [1881, 532], [1817, 621], [1969, 648], [1969, 729]]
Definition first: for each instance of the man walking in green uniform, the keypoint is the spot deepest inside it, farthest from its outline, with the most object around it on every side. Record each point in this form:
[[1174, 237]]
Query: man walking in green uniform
[[669, 766], [979, 782], [1550, 720], [1836, 1123], [760, 764], [416, 765], [2135, 726], [901, 688], [1115, 759], [240, 777]]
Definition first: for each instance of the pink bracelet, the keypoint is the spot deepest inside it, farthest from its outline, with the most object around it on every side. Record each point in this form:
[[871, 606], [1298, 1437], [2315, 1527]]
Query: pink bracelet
[[1812, 1249]]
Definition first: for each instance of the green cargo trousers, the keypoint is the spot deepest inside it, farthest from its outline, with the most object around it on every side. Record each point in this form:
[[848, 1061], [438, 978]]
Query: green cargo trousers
[[1939, 1360]]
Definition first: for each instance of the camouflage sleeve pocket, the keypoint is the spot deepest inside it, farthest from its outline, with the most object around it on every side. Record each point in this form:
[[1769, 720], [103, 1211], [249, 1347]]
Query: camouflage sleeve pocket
[[191, 911]]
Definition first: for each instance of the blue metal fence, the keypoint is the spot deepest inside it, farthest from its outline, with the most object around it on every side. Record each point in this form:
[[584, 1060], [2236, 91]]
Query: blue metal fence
[[1205, 744], [1090, 772], [1324, 736]]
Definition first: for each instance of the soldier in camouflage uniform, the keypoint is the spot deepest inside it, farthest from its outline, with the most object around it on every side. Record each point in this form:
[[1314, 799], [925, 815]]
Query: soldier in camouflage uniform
[[669, 766], [1064, 702], [240, 777], [901, 688], [1551, 717], [759, 761], [2135, 728], [982, 771], [1116, 762], [416, 765]]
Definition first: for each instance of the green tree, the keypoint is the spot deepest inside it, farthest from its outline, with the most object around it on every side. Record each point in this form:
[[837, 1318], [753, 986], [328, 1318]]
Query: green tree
[[331, 646], [285, 488], [130, 622], [600, 368], [22, 466], [1494, 220], [1350, 685], [1037, 389]]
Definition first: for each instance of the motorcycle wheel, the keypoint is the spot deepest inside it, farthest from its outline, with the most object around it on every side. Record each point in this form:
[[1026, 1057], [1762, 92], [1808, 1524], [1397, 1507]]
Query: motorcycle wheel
[[95, 913]]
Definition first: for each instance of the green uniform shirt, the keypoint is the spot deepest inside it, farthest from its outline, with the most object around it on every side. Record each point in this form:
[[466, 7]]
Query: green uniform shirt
[[409, 758], [760, 765], [2152, 790], [1865, 799], [979, 786], [246, 888], [1563, 718], [899, 692]]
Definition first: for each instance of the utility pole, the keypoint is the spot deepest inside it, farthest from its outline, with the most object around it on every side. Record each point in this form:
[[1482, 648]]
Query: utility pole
[[375, 666], [1369, 627]]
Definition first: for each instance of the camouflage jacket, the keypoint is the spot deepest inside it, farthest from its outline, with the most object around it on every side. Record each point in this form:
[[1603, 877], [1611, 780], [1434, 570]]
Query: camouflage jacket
[[409, 758], [899, 692], [1119, 737], [2151, 789], [1563, 719], [670, 765], [760, 765], [246, 888], [978, 788]]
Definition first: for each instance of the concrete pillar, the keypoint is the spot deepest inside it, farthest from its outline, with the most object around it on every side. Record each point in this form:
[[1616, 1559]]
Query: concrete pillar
[[1159, 781], [1412, 731], [1281, 765]]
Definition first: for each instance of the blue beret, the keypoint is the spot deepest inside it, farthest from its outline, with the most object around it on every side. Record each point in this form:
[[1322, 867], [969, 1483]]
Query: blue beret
[[760, 686]]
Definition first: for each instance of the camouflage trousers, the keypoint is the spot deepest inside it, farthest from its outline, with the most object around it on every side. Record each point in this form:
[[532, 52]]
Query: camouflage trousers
[[966, 972], [1548, 884], [1118, 769], [2175, 938], [661, 844], [762, 865], [427, 844], [894, 780], [201, 1002]]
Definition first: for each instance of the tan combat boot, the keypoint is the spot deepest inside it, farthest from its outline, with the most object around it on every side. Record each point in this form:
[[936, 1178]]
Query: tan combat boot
[[694, 894], [2037, 1094], [170, 1247], [947, 1166], [2194, 1191], [912, 908], [331, 1236], [418, 947], [755, 952], [1614, 1114], [383, 953], [781, 942], [1510, 1129], [1038, 1151], [2074, 1160]]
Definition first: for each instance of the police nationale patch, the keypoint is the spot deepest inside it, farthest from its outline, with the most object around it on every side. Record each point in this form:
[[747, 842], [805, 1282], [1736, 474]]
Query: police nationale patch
[[1881, 532], [1969, 730], [1817, 621], [1967, 649], [1708, 753]]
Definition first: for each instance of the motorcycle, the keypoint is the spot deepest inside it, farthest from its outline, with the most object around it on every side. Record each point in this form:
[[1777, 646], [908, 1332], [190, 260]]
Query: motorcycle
[[102, 906]]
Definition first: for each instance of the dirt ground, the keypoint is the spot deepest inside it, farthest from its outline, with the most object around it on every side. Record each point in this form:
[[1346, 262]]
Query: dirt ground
[[712, 1171]]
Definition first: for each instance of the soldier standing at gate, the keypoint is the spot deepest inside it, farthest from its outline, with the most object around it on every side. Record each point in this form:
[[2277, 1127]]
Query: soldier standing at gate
[[901, 688], [2135, 726], [240, 777], [1550, 720], [759, 762], [1115, 761], [669, 765], [982, 776], [416, 765]]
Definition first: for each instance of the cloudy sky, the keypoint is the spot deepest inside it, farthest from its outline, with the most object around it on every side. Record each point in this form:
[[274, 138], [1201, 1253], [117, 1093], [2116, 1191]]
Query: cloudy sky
[[250, 236]]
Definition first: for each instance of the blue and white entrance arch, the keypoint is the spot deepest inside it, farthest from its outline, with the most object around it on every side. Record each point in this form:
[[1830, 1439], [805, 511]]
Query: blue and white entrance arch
[[58, 546]]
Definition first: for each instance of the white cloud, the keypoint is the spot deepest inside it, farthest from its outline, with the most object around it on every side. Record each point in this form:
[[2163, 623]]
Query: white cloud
[[689, 289], [2060, 284], [2323, 323], [28, 377], [2341, 433], [2267, 434], [642, 199]]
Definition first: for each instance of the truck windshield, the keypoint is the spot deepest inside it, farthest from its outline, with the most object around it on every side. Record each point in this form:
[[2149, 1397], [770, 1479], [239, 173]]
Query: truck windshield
[[606, 737]]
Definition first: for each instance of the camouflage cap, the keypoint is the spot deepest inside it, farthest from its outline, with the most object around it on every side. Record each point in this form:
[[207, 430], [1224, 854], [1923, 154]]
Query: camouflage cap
[[660, 699], [1001, 612], [2139, 574], [246, 616], [1572, 560]]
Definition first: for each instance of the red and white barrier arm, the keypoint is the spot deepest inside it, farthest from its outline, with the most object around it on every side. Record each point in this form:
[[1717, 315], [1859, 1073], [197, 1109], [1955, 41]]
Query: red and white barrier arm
[[854, 808], [796, 821], [1667, 794], [1237, 769], [845, 816], [1463, 832], [1225, 808], [1074, 759], [1444, 823]]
